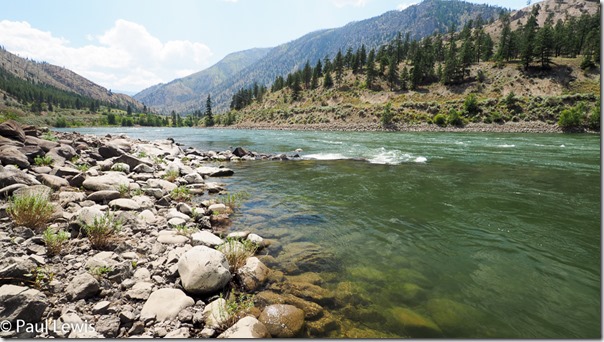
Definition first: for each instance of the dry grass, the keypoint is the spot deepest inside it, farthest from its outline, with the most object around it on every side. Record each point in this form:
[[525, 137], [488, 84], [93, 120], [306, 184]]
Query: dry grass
[[102, 233]]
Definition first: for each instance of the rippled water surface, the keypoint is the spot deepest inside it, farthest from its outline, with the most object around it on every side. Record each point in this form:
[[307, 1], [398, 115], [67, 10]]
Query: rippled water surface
[[434, 234]]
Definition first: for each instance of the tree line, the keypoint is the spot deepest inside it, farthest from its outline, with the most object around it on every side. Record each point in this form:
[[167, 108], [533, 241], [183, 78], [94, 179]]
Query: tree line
[[405, 64]]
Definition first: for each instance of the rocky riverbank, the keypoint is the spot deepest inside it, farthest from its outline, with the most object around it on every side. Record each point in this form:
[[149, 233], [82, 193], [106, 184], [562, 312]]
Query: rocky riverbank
[[508, 127], [114, 237]]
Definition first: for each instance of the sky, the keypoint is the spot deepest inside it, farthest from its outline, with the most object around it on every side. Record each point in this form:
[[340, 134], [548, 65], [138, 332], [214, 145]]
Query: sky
[[129, 45]]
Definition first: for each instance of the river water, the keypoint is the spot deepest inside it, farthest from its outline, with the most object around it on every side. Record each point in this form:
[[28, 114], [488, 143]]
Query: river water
[[469, 234]]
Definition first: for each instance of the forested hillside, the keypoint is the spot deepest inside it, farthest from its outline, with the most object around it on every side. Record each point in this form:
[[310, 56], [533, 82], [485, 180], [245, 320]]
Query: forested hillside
[[419, 21], [27, 80], [529, 72]]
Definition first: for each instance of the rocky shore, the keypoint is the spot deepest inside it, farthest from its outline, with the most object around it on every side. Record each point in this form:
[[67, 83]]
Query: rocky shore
[[508, 127], [137, 243]]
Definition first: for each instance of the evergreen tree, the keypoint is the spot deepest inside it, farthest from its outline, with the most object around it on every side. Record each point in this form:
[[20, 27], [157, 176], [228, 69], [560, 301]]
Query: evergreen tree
[[393, 75], [370, 74], [307, 75], [405, 78], [545, 45], [209, 115], [505, 40], [527, 48], [327, 80], [338, 64]]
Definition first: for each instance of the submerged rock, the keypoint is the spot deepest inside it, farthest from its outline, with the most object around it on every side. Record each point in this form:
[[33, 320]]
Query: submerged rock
[[414, 324], [282, 320]]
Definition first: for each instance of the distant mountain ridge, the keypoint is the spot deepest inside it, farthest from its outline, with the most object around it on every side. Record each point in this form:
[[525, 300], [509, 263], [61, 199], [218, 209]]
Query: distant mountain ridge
[[171, 96], [419, 20], [61, 78]]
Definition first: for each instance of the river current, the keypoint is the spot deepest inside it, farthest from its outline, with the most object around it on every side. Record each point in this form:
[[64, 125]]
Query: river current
[[480, 234]]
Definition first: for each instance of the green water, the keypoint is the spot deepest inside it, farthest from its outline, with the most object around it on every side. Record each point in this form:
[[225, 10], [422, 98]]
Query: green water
[[480, 235]]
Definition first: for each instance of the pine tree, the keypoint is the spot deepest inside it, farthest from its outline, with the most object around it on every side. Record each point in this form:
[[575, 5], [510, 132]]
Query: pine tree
[[338, 64], [504, 48], [209, 115], [527, 48], [405, 78], [370, 73], [307, 75], [545, 45], [327, 80], [393, 75]]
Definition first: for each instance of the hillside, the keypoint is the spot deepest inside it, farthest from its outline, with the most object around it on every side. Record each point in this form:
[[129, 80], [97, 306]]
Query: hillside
[[545, 75], [419, 20], [554, 9], [61, 79], [165, 98]]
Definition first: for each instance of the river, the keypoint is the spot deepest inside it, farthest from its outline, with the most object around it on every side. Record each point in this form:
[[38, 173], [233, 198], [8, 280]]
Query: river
[[484, 235]]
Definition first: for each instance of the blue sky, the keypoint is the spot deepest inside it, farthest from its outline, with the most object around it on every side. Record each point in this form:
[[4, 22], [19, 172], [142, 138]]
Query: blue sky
[[132, 44]]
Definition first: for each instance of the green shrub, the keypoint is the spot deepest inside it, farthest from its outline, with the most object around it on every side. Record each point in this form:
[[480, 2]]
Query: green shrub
[[470, 104], [440, 120], [102, 233], [43, 161], [181, 194], [387, 115], [171, 175], [237, 252], [32, 211], [454, 118], [54, 241], [573, 117], [594, 118]]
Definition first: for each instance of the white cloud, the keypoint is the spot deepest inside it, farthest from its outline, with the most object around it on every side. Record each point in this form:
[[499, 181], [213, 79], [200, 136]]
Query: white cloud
[[353, 3], [405, 5], [124, 57]]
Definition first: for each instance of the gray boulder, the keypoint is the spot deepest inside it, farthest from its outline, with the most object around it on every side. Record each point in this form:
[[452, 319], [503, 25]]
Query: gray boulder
[[10, 155], [203, 270], [12, 176], [253, 274], [12, 130], [247, 327], [21, 303], [82, 286], [165, 304], [109, 181]]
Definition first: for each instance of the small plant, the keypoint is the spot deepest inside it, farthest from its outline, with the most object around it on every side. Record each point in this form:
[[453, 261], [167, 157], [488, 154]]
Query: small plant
[[102, 232], [124, 190], [100, 271], [185, 231], [142, 154], [159, 160], [32, 211], [54, 241], [238, 306], [83, 167], [470, 105], [43, 161], [49, 136], [237, 252], [137, 192], [75, 159], [171, 175], [42, 277], [134, 263], [181, 194], [234, 201], [118, 167]]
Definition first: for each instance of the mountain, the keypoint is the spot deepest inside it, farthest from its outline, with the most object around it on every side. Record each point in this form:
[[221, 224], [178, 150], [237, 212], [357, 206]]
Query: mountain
[[60, 78], [553, 9], [171, 96], [419, 20]]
